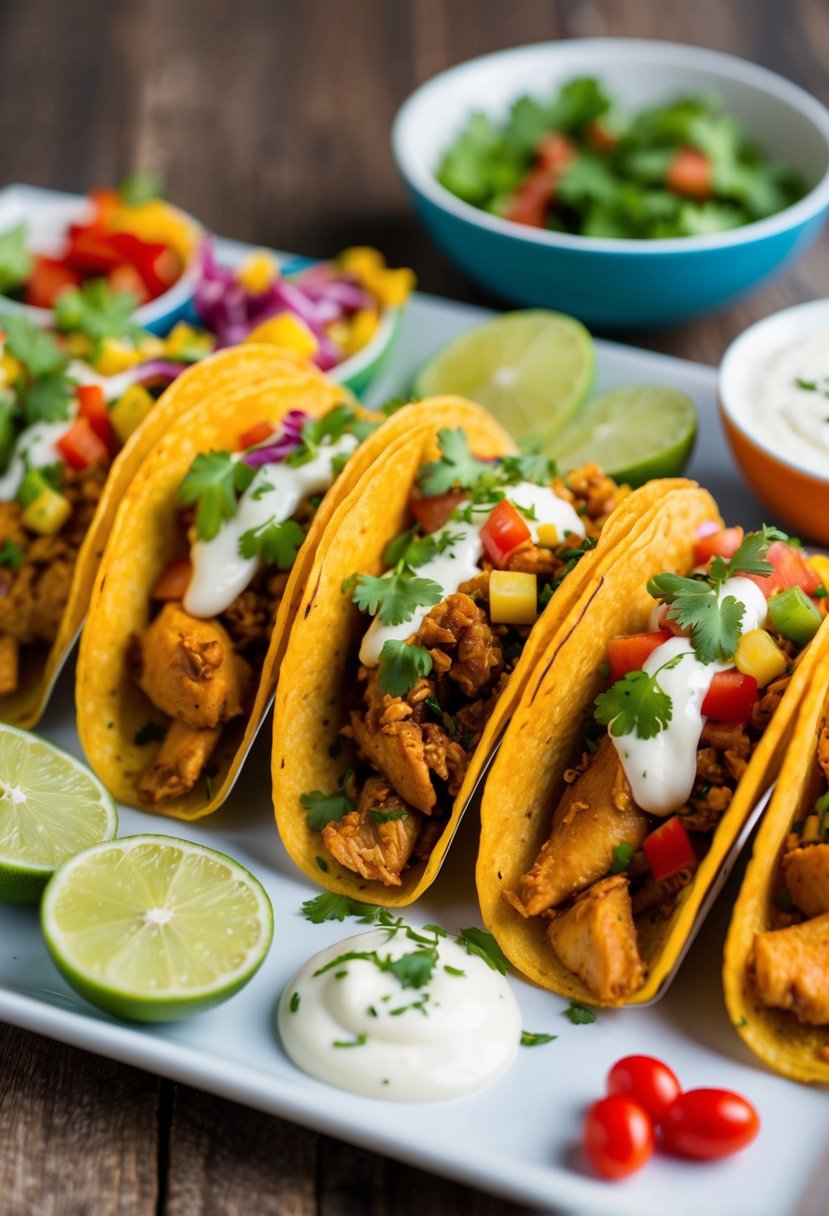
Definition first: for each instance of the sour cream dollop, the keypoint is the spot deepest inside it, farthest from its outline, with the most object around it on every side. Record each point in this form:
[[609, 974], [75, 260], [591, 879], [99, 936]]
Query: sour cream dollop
[[788, 408], [352, 1024]]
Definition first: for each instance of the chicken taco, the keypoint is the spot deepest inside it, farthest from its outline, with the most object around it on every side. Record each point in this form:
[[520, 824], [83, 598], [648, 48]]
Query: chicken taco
[[642, 749], [776, 971], [413, 644], [68, 453]]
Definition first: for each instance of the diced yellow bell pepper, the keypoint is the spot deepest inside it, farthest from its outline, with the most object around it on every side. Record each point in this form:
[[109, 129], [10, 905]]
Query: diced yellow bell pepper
[[811, 833], [117, 355], [47, 513], [361, 261], [157, 221], [130, 410], [548, 535], [151, 347], [361, 330], [183, 338], [759, 655], [10, 368], [820, 564], [288, 331], [393, 287], [513, 598], [258, 271]]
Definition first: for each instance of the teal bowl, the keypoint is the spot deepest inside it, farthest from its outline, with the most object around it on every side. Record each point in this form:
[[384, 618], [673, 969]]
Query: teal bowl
[[611, 282]]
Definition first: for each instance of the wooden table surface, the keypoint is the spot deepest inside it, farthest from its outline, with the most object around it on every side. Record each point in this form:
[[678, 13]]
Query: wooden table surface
[[269, 119]]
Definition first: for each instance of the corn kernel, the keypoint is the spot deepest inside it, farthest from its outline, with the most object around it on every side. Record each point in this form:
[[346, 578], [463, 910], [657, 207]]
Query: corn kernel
[[47, 513], [361, 261], [759, 655], [288, 331], [183, 339], [151, 347], [548, 535], [257, 272], [10, 368], [130, 410], [116, 355], [362, 329], [513, 598], [819, 562], [393, 287]]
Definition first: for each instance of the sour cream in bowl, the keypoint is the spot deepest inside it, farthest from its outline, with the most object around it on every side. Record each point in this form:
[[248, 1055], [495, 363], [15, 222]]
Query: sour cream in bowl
[[774, 402]]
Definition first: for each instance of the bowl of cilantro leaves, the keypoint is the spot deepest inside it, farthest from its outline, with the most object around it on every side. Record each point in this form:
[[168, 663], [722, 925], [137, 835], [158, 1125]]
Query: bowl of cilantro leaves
[[628, 182]]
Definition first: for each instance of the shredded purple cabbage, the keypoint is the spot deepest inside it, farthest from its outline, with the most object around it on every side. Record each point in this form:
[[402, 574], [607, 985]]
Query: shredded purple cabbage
[[158, 369], [273, 451]]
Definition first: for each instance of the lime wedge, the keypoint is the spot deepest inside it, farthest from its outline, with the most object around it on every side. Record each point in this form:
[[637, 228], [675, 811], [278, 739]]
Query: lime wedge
[[51, 807], [635, 433], [153, 928], [530, 369]]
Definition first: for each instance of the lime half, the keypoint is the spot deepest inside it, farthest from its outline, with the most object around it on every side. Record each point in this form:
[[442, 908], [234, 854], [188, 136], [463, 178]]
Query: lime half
[[635, 433], [530, 369], [51, 807], [153, 928]]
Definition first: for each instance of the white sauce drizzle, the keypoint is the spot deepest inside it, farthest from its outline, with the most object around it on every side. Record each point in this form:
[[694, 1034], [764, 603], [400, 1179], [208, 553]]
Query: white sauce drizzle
[[459, 562], [464, 1036], [220, 573], [661, 771]]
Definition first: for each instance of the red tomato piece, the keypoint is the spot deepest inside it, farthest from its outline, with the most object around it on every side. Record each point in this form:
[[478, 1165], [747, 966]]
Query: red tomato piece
[[432, 513], [599, 137], [49, 277], [648, 1081], [157, 264], [504, 531], [709, 1123], [90, 250], [668, 849], [126, 278], [93, 407], [80, 447], [790, 570], [667, 624], [556, 152], [532, 198], [730, 697], [174, 581], [689, 173], [724, 543], [618, 1136], [256, 434], [629, 651]]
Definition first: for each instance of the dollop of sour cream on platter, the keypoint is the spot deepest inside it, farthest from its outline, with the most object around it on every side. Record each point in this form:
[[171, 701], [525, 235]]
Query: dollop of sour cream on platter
[[350, 1022]]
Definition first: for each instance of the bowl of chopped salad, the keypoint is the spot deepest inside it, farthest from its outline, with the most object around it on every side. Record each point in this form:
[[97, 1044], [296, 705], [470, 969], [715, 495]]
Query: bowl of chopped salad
[[630, 182]]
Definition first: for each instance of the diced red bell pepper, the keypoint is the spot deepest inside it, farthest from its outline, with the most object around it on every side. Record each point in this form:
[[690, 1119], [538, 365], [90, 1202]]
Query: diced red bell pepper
[[790, 570], [90, 250], [531, 200], [724, 543], [80, 447], [730, 697], [668, 849], [689, 174], [504, 531], [157, 264], [47, 280], [125, 277], [256, 434], [93, 407], [630, 651], [432, 512], [174, 582], [555, 153]]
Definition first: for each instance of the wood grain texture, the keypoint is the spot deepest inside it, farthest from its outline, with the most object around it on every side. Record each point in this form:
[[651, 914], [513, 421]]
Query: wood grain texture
[[269, 119]]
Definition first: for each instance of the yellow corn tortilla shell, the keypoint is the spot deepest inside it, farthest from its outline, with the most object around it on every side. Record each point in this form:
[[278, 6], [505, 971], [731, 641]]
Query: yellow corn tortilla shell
[[41, 664], [308, 751], [773, 1034], [544, 739]]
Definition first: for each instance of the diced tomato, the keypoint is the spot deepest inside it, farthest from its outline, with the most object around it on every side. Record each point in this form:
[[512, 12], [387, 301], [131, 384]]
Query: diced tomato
[[90, 250], [126, 278], [174, 581], [668, 849], [790, 570], [504, 531], [80, 447], [629, 651], [689, 173], [157, 264], [256, 434], [556, 152], [724, 543], [433, 512], [93, 407], [730, 697], [48, 279], [667, 624], [599, 137], [532, 198]]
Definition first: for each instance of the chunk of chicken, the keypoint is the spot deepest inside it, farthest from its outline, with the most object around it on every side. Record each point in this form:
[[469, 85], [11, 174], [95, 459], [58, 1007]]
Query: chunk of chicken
[[376, 839], [190, 670], [596, 814], [33, 598], [394, 745], [791, 971], [459, 624], [179, 764], [596, 939], [806, 878]]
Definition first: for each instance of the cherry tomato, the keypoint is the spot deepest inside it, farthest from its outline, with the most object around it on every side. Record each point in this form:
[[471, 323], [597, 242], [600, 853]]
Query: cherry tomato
[[629, 651], [790, 570], [689, 173], [433, 512], [504, 531], [648, 1081], [668, 849], [618, 1136], [709, 1123], [724, 543], [730, 697]]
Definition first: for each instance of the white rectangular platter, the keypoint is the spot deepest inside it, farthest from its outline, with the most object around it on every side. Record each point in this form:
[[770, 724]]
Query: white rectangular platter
[[520, 1137]]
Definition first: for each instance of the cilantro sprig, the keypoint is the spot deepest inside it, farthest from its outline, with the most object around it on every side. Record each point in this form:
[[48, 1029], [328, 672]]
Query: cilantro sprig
[[276, 542], [401, 665], [637, 704], [98, 311], [326, 808], [458, 469], [395, 597], [44, 389], [215, 482]]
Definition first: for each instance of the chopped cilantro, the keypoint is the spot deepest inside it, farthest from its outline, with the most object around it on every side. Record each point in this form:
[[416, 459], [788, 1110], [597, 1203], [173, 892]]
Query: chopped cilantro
[[401, 666], [360, 1041], [331, 906], [636, 704], [98, 311], [622, 854], [387, 816], [215, 481], [11, 555], [604, 670], [483, 944], [453, 970], [395, 597], [150, 732], [141, 188], [531, 466], [457, 467], [15, 260], [325, 808], [277, 543], [294, 1002], [47, 398], [35, 348], [742, 1022], [322, 864], [528, 1039], [783, 900], [414, 970], [412, 551], [331, 426], [579, 1014]]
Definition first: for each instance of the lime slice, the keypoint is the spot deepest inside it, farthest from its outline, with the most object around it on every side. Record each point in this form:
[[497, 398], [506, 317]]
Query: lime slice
[[153, 928], [530, 369], [635, 433], [51, 807]]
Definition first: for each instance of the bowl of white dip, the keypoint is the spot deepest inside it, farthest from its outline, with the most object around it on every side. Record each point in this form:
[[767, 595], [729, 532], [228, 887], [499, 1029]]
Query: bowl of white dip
[[774, 401]]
